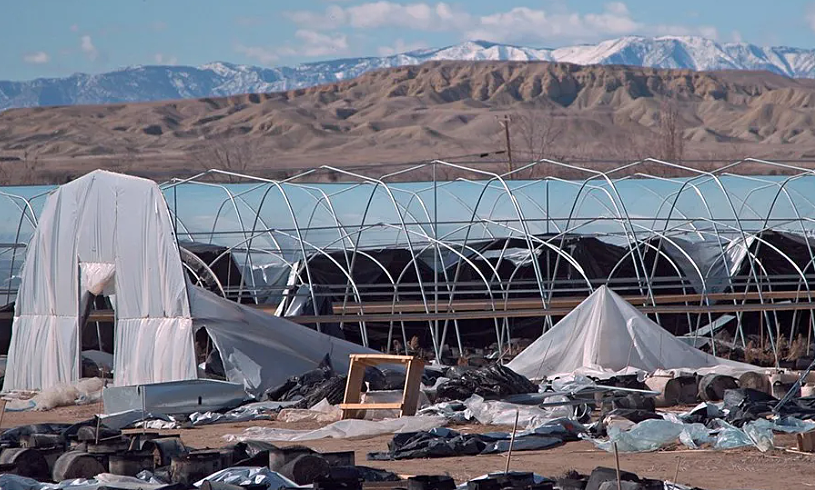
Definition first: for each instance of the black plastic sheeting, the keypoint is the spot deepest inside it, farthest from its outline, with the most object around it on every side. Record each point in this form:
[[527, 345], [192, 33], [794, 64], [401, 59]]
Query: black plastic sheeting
[[5, 329], [491, 383], [367, 274], [443, 443], [323, 382], [303, 303], [12, 437], [311, 387], [745, 405], [222, 263]]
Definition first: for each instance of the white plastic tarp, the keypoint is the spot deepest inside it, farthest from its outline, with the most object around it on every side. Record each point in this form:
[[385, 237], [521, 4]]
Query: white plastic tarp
[[607, 335], [343, 429], [711, 260], [120, 227], [260, 350]]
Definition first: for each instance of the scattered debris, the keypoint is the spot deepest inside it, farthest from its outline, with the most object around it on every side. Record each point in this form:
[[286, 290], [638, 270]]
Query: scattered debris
[[491, 383]]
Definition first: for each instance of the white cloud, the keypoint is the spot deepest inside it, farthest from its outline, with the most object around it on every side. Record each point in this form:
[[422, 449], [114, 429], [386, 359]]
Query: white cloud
[[333, 17], [524, 24], [87, 47], [316, 44], [421, 16], [310, 44], [709, 32], [521, 24], [372, 15], [74, 27], [163, 59], [264, 55], [400, 46], [736, 35], [37, 58], [552, 23]]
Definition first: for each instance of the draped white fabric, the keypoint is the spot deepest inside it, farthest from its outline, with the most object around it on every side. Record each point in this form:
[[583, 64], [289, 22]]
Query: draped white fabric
[[119, 227], [604, 335]]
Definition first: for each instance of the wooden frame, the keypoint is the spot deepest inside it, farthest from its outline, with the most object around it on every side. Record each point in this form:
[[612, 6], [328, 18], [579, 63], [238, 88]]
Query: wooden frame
[[351, 406]]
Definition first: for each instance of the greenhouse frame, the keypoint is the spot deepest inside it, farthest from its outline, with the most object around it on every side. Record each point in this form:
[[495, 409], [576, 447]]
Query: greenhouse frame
[[486, 257]]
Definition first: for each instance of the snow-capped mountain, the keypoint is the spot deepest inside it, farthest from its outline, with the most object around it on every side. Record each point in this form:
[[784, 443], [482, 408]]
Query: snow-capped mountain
[[149, 83]]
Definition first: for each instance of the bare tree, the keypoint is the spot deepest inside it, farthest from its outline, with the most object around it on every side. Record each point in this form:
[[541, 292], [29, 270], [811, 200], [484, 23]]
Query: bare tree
[[536, 133], [25, 171], [671, 143], [228, 155]]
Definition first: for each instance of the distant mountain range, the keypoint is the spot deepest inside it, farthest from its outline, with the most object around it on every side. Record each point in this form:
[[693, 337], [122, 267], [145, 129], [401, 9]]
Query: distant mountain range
[[152, 83]]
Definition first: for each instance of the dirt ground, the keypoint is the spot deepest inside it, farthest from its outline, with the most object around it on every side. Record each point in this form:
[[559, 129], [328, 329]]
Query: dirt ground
[[733, 469]]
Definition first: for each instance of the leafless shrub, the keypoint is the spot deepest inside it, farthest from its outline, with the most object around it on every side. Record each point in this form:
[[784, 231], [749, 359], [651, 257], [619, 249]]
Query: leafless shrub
[[537, 133], [25, 171], [671, 142], [227, 155]]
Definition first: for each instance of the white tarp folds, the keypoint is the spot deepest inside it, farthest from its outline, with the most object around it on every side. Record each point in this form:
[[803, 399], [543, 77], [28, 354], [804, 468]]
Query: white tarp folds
[[111, 234], [123, 223], [607, 335], [260, 350]]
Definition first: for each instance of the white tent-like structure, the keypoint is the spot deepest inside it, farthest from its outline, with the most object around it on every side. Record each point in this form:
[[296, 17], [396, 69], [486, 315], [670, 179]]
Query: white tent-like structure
[[111, 234], [606, 335]]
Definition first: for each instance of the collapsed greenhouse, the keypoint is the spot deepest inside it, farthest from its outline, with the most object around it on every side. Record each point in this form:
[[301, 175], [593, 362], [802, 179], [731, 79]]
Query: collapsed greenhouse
[[483, 259]]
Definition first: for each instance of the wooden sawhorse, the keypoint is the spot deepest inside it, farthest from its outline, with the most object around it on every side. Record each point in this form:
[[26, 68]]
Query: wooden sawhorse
[[351, 406]]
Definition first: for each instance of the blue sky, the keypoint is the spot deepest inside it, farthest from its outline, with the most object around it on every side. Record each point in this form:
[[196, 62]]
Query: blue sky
[[45, 38]]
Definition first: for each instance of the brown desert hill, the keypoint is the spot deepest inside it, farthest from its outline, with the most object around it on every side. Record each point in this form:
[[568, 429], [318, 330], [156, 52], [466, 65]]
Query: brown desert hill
[[434, 110]]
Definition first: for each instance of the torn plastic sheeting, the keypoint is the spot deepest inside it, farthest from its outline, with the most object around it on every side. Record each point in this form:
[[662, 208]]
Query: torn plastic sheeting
[[730, 437], [14, 482], [443, 443], [535, 477], [341, 430], [573, 383], [650, 435], [760, 433], [321, 412], [491, 382], [129, 418], [455, 411], [525, 443], [503, 413], [250, 475], [389, 396], [244, 413], [792, 425]]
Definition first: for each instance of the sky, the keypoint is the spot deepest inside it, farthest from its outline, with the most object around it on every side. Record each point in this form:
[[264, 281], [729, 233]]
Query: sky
[[53, 38]]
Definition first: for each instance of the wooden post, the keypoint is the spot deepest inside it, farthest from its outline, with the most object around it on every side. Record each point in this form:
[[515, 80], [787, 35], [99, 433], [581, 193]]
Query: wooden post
[[2, 411], [806, 442], [505, 124], [617, 466], [413, 383], [676, 474], [512, 440], [356, 373]]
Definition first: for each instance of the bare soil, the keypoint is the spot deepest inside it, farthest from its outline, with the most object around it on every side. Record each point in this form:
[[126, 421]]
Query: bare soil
[[732, 469]]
